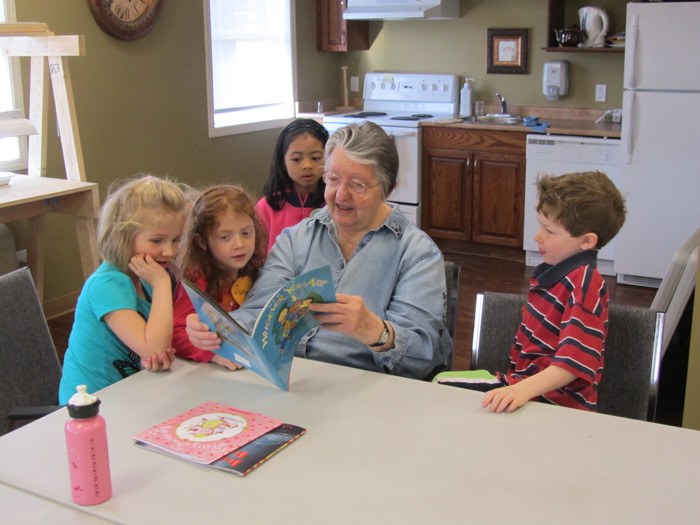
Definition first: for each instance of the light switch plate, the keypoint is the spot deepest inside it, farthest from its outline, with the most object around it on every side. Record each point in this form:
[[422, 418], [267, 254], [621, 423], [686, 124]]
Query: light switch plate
[[354, 83], [600, 92]]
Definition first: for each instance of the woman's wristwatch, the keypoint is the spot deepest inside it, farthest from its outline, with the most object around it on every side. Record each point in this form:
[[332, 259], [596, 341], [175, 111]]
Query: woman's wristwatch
[[383, 338]]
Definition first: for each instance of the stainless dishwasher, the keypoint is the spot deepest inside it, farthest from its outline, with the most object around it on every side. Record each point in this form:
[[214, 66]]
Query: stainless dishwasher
[[559, 154]]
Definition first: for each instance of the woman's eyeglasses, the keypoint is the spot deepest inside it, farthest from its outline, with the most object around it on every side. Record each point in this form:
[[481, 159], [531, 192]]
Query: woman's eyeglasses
[[355, 186]]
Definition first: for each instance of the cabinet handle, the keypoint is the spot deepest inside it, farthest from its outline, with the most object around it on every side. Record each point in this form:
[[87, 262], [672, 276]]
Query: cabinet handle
[[469, 163], [343, 4], [476, 163], [343, 38]]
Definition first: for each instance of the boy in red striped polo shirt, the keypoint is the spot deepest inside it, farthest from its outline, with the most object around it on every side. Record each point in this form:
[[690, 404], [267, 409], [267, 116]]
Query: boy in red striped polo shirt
[[558, 352]]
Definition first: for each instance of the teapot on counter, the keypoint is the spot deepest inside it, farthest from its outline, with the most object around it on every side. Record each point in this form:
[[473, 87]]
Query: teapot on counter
[[594, 26], [569, 37]]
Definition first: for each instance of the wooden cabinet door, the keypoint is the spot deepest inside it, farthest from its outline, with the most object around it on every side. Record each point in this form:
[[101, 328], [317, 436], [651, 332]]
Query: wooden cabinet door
[[447, 191], [334, 33], [499, 180]]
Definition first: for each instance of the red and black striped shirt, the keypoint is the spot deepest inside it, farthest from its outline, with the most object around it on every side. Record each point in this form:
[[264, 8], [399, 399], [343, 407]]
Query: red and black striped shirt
[[565, 323]]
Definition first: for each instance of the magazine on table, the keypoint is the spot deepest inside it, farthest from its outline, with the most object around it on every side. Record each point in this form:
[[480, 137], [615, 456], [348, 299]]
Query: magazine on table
[[249, 457], [269, 349]]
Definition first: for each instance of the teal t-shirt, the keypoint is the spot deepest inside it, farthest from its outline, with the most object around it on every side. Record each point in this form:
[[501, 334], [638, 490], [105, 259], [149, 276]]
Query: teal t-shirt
[[96, 357]]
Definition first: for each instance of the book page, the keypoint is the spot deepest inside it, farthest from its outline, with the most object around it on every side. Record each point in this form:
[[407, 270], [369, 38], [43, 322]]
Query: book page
[[286, 319], [236, 344]]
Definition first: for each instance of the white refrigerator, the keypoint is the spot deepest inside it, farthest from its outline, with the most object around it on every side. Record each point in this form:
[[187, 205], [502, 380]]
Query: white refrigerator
[[660, 174]]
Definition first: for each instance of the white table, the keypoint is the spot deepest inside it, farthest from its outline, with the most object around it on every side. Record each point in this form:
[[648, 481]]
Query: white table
[[35, 510], [379, 449]]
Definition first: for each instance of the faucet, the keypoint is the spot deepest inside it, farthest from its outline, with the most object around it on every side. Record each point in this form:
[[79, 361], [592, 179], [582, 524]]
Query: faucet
[[504, 104]]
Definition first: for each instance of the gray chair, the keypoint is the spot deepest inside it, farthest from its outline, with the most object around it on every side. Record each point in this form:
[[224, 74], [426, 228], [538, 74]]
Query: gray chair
[[452, 273], [632, 355], [632, 361], [496, 318], [29, 367], [677, 286]]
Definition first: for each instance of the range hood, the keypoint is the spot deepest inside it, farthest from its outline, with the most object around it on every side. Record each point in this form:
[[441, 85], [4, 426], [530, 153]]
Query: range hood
[[400, 9]]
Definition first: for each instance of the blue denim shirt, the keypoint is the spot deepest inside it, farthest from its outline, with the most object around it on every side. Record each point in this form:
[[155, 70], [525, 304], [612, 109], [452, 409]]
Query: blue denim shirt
[[398, 271]]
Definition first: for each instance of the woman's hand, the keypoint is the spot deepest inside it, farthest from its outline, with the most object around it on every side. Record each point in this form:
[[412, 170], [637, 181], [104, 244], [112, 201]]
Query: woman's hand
[[200, 335], [350, 316], [157, 362]]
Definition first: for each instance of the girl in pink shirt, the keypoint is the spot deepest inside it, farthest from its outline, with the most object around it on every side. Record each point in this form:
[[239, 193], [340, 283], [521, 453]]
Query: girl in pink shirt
[[294, 187]]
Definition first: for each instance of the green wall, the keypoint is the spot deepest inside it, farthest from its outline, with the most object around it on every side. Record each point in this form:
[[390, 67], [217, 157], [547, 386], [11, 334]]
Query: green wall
[[141, 107], [460, 47], [141, 104]]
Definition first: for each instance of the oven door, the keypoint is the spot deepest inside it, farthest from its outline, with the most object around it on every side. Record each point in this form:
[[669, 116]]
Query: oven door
[[408, 145]]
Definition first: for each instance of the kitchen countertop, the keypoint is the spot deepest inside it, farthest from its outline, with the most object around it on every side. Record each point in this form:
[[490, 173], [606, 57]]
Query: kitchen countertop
[[562, 121], [586, 128]]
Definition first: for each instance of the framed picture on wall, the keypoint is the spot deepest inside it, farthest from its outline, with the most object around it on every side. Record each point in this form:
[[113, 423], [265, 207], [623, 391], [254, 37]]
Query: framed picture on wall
[[507, 51]]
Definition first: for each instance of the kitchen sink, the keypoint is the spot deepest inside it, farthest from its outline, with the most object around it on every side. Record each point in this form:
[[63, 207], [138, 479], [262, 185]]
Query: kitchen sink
[[496, 118]]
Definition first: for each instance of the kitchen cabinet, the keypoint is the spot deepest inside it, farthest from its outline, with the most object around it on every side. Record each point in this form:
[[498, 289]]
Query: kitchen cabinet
[[334, 33], [473, 185], [564, 13]]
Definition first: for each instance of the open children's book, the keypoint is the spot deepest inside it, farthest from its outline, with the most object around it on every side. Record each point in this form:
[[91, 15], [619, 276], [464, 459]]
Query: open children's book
[[269, 350], [221, 437]]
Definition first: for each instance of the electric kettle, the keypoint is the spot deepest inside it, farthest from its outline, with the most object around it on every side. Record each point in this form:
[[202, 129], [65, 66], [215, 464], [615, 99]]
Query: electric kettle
[[594, 26]]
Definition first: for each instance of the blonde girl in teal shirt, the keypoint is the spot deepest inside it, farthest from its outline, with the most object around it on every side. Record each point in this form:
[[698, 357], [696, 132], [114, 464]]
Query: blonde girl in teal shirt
[[124, 316]]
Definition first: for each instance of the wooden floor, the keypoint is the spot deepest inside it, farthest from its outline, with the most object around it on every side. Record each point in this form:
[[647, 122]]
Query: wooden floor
[[484, 268], [494, 269]]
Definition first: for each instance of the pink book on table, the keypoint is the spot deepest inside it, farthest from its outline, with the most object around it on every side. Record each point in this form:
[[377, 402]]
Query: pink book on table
[[207, 432]]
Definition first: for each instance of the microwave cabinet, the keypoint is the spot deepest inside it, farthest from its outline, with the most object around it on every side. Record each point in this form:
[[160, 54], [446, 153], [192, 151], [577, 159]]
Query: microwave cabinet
[[473, 185], [334, 33]]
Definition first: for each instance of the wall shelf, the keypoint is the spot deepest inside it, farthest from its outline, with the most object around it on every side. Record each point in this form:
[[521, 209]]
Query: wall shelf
[[562, 14], [584, 49]]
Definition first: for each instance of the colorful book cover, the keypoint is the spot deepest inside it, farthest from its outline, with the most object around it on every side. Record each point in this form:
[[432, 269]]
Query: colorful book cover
[[269, 350], [255, 453], [207, 432]]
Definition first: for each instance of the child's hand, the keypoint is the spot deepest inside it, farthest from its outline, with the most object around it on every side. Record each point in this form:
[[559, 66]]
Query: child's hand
[[510, 398], [226, 363], [507, 398], [146, 268], [157, 362], [200, 335]]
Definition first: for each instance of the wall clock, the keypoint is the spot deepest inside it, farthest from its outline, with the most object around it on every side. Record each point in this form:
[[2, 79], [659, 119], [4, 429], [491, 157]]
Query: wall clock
[[126, 19]]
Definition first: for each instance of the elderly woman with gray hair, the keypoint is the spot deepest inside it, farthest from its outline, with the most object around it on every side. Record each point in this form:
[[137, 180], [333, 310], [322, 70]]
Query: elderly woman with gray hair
[[389, 275]]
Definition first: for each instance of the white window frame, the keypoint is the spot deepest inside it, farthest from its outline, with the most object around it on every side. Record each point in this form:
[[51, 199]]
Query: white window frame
[[264, 116], [11, 68]]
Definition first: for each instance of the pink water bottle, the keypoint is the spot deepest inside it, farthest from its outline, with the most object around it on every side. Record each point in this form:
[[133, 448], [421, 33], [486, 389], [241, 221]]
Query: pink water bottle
[[88, 457]]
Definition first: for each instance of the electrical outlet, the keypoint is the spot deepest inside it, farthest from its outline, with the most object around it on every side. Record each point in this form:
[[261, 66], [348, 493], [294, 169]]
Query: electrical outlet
[[354, 83], [600, 92]]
